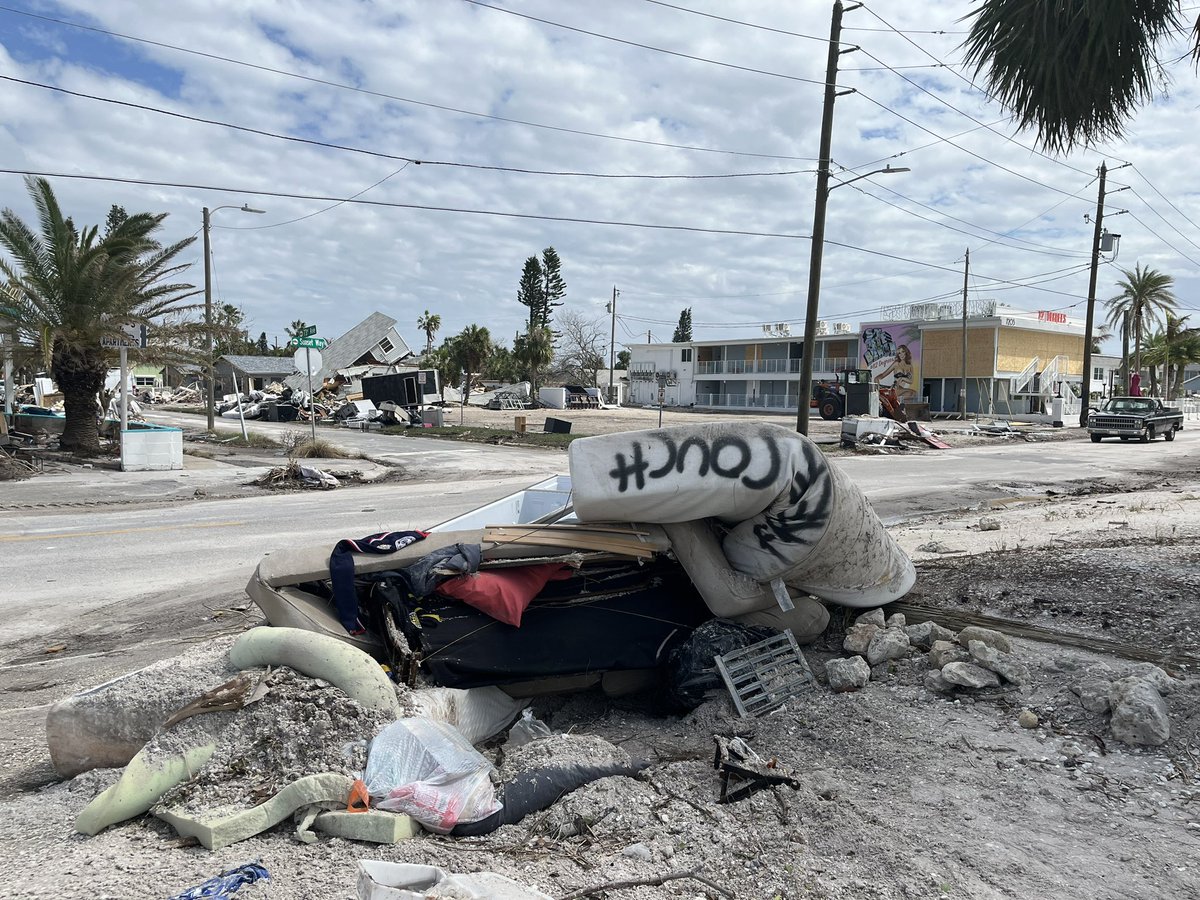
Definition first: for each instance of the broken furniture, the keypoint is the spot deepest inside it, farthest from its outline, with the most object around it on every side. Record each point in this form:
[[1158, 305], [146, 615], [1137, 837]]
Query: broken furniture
[[743, 772]]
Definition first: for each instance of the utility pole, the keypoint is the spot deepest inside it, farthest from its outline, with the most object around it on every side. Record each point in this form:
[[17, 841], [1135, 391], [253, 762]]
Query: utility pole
[[612, 347], [818, 235], [1086, 391], [962, 388], [210, 389]]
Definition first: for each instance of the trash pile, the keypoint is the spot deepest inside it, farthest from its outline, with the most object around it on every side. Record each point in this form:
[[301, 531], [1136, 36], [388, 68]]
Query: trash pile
[[295, 474], [863, 431], [389, 695]]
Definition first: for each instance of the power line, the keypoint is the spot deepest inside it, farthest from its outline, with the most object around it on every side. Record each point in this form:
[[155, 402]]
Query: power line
[[968, 82], [319, 211], [396, 205], [1133, 216], [385, 96], [1033, 247], [981, 158], [1164, 220], [375, 153], [696, 12], [627, 43]]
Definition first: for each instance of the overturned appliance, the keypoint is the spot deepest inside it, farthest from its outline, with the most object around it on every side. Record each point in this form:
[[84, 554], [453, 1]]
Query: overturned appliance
[[665, 530]]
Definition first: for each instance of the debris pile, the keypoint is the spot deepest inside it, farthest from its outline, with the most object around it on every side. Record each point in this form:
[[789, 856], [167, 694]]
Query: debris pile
[[295, 474]]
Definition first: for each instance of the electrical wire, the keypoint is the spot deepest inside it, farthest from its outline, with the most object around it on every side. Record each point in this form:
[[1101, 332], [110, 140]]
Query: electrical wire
[[627, 43], [375, 153], [396, 205], [1135, 218], [1133, 191], [1032, 248], [66, 23], [967, 81], [319, 211]]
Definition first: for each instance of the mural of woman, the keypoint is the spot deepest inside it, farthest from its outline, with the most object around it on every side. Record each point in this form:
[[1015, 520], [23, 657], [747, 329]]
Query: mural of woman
[[901, 371]]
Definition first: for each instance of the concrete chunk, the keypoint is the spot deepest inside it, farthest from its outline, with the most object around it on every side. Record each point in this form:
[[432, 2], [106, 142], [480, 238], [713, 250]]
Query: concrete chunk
[[969, 675], [847, 674], [989, 636]]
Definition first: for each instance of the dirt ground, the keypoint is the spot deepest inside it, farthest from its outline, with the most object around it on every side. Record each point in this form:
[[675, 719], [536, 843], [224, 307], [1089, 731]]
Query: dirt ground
[[904, 793]]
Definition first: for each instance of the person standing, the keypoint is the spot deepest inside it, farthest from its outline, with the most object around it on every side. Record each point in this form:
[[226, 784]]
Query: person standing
[[1135, 384]]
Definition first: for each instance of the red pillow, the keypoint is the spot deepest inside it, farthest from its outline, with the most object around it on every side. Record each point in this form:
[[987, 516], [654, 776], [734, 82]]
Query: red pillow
[[504, 593]]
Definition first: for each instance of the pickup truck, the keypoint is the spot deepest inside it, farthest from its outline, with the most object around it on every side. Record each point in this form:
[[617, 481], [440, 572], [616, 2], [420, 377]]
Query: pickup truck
[[1143, 418]]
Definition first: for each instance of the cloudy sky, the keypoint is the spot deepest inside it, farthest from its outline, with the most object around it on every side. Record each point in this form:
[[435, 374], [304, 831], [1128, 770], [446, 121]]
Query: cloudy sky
[[660, 149]]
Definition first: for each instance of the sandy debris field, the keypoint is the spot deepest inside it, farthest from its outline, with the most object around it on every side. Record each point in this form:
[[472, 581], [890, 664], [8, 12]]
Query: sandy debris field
[[1014, 789]]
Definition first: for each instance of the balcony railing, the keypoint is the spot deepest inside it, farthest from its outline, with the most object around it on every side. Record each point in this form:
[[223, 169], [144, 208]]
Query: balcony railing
[[829, 365], [745, 401]]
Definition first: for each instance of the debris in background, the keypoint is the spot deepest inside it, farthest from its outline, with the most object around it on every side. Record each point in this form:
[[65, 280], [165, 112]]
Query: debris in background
[[295, 474], [379, 880]]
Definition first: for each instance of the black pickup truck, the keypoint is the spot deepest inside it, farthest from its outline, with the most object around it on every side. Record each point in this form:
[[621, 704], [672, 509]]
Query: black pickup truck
[[1143, 418]]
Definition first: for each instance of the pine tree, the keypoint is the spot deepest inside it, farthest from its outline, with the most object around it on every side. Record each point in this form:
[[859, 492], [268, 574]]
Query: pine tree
[[263, 347], [529, 291], [554, 289], [683, 331]]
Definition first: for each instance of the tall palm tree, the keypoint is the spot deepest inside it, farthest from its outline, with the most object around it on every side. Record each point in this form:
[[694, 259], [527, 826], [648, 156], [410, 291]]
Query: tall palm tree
[[1075, 70], [1145, 297], [71, 287], [429, 323], [1168, 347], [470, 350]]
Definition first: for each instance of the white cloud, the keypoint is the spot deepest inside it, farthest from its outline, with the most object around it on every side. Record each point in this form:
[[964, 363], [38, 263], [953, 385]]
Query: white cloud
[[336, 267]]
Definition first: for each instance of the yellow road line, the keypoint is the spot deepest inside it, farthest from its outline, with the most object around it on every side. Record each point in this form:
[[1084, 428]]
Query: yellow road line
[[74, 534]]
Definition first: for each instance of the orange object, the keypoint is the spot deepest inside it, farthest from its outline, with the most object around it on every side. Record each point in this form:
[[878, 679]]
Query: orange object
[[360, 800]]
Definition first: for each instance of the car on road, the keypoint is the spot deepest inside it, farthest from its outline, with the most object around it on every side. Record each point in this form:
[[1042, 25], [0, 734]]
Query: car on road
[[1144, 418]]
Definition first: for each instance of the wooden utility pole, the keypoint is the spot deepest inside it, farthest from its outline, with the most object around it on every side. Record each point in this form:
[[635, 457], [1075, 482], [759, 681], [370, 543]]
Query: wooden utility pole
[[1086, 391], [962, 388], [818, 234]]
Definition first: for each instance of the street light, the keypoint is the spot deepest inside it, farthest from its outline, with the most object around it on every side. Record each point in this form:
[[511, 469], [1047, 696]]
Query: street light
[[814, 280], [208, 319]]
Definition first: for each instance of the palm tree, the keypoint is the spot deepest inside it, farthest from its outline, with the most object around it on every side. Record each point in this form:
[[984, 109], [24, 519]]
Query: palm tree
[[533, 351], [469, 351], [429, 323], [295, 329], [71, 287], [1075, 70], [1168, 348], [1145, 296]]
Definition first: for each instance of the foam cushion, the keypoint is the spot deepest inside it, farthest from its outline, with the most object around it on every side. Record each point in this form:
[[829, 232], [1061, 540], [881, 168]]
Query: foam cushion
[[503, 593]]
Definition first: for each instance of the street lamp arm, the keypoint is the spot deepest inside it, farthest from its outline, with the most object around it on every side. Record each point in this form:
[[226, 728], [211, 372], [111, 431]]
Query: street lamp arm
[[887, 170]]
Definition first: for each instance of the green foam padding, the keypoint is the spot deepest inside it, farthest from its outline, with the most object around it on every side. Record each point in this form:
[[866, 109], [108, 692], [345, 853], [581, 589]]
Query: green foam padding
[[220, 828], [319, 656], [375, 826], [141, 784]]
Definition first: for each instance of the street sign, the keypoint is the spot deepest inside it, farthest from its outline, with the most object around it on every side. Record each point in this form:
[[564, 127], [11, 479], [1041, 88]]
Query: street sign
[[307, 331], [308, 362], [133, 337], [312, 343]]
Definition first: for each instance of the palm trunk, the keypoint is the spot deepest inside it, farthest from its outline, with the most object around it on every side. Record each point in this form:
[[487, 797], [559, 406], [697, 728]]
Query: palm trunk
[[80, 376]]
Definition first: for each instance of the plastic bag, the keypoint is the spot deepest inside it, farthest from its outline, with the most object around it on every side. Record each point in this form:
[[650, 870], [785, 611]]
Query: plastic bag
[[428, 770], [527, 729], [478, 713], [692, 672]]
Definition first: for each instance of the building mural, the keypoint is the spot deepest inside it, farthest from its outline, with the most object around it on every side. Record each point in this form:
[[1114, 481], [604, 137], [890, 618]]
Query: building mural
[[893, 354]]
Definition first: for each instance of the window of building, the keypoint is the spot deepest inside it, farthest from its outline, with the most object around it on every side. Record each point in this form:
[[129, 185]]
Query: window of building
[[144, 380], [385, 345], [685, 355], [1098, 373]]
